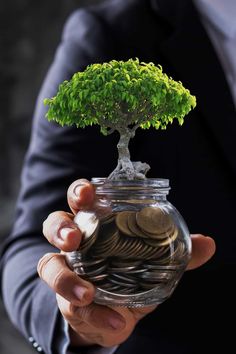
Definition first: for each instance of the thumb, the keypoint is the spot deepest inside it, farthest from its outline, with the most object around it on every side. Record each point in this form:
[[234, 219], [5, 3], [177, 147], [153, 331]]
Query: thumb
[[203, 248]]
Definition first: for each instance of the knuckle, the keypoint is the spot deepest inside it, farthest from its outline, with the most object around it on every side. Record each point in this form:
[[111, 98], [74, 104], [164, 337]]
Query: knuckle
[[72, 314], [68, 310], [44, 263], [54, 223], [49, 222], [84, 313], [71, 311], [74, 320], [59, 281]]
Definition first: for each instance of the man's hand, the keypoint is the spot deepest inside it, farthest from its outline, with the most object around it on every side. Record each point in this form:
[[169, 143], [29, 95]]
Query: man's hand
[[91, 323]]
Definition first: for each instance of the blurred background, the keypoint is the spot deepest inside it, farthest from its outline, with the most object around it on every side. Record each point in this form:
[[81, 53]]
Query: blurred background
[[29, 33]]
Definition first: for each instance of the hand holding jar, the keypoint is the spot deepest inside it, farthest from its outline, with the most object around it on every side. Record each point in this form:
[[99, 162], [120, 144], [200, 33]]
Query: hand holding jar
[[93, 323]]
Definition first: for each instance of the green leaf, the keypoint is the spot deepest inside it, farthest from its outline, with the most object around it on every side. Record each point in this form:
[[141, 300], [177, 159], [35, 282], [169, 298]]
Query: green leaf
[[118, 94]]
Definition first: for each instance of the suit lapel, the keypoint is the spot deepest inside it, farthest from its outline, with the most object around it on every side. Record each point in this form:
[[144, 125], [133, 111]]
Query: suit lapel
[[190, 52]]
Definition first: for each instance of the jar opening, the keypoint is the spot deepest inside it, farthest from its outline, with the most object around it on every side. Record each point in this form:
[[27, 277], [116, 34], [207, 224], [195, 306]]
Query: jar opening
[[147, 186]]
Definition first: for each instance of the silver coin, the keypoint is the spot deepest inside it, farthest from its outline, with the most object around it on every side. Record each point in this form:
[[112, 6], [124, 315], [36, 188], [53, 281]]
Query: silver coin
[[97, 278], [79, 271], [125, 278], [110, 217], [157, 276], [91, 272], [137, 271], [92, 262], [110, 287], [120, 269], [87, 222], [125, 263], [73, 257], [120, 283], [87, 243], [148, 286], [160, 267], [127, 291]]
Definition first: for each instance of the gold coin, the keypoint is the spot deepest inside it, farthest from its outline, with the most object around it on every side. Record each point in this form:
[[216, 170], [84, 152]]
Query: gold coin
[[122, 222], [170, 238], [154, 253], [121, 245], [106, 248], [158, 237], [153, 220], [131, 246], [132, 225], [180, 252], [140, 250]]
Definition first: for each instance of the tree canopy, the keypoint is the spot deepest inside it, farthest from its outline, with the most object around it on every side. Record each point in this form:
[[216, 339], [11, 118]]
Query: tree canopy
[[120, 94]]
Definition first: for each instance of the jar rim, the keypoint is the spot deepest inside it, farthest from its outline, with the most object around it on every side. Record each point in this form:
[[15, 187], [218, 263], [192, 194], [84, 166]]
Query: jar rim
[[137, 188], [147, 182]]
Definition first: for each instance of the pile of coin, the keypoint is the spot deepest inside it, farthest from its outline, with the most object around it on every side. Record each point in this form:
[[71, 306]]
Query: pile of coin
[[130, 251]]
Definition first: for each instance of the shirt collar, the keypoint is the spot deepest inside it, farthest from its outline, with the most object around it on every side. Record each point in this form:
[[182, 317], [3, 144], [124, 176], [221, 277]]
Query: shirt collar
[[220, 13]]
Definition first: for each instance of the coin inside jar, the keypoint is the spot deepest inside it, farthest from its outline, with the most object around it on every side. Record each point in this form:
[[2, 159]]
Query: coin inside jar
[[122, 222], [129, 251], [153, 220], [87, 222], [132, 225]]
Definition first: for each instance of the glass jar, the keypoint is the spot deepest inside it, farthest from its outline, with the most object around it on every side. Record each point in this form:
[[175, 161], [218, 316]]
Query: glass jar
[[135, 244]]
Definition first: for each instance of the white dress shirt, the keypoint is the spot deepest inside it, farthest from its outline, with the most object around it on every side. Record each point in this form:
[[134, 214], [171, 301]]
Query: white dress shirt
[[219, 20]]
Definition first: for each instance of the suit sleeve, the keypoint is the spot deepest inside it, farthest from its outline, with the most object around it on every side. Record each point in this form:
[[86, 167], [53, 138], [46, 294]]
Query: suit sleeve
[[56, 157]]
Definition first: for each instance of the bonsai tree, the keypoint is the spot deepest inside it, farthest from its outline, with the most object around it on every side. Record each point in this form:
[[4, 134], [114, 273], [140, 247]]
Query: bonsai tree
[[122, 96]]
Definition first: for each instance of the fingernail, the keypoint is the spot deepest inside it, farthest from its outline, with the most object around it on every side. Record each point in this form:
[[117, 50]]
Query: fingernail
[[116, 322], [79, 292], [77, 188], [64, 232]]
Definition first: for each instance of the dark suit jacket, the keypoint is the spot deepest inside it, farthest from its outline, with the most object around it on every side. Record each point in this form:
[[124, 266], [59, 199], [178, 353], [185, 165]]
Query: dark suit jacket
[[198, 158]]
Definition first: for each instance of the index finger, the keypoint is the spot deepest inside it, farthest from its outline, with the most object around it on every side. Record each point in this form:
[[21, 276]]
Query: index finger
[[60, 230], [80, 195]]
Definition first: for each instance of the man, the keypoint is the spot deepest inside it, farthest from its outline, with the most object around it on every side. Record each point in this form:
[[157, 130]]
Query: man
[[197, 158]]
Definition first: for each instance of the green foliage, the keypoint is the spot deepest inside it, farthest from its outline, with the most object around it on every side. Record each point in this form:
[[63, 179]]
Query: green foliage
[[119, 94]]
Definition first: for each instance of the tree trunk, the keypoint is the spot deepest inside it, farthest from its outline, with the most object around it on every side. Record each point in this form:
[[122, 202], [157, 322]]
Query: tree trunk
[[126, 169], [123, 147]]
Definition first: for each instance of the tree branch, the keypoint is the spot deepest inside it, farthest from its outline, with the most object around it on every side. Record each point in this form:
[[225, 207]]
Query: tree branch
[[135, 127], [111, 131]]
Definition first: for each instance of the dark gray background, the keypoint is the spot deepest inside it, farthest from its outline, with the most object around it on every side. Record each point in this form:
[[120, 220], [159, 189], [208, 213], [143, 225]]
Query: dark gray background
[[29, 33]]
